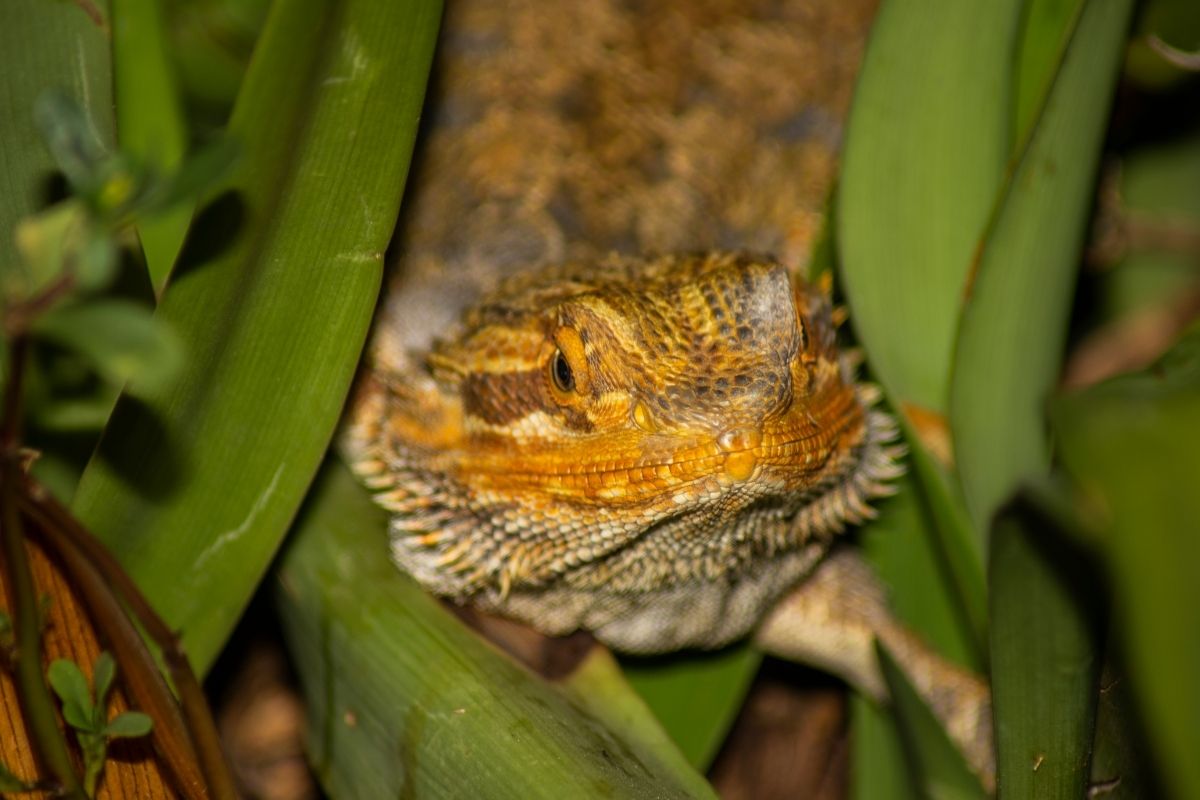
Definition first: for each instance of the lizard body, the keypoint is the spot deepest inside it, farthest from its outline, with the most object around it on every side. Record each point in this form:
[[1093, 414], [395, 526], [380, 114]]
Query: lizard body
[[577, 429]]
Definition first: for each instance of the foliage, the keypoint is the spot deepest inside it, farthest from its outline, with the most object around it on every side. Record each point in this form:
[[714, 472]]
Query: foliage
[[86, 712], [969, 177]]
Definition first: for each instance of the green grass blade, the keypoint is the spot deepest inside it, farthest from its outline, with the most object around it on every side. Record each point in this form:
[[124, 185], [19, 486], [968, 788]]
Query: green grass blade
[[925, 153], [696, 697], [1045, 32], [45, 45], [194, 486], [1015, 317], [403, 700], [150, 121], [941, 771], [1133, 445], [1045, 662], [880, 770], [898, 545]]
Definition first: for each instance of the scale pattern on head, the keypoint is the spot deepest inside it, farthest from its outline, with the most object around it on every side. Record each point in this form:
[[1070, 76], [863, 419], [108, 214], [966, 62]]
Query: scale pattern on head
[[595, 437]]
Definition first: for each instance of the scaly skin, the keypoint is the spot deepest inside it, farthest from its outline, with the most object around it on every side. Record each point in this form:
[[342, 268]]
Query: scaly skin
[[711, 440], [708, 443]]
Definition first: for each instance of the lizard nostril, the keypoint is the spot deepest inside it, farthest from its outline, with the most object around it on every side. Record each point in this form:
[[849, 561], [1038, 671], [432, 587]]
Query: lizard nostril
[[739, 445], [741, 438]]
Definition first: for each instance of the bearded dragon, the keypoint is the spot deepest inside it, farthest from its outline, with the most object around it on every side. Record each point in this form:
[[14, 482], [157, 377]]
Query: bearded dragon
[[593, 402]]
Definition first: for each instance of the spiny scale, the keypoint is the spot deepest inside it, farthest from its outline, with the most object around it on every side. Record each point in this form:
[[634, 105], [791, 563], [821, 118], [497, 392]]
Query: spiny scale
[[709, 444]]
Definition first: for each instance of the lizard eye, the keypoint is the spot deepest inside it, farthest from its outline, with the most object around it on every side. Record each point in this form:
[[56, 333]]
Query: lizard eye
[[561, 373], [567, 369]]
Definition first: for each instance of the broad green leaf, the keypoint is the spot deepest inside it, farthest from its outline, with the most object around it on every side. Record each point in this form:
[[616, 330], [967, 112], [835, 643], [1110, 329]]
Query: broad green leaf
[[696, 696], [194, 485], [68, 682], [128, 724], [1045, 30], [941, 771], [1017, 304], [403, 699], [1046, 612], [31, 36], [121, 339], [1133, 446], [150, 120], [926, 148]]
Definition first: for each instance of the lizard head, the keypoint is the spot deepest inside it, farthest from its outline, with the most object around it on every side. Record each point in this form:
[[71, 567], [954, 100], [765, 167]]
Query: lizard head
[[582, 410]]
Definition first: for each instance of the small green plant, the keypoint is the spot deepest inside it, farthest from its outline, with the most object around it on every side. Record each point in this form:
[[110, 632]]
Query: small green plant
[[86, 711]]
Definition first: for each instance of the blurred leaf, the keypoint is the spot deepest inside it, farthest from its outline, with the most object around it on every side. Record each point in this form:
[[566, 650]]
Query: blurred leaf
[[925, 154], [53, 242], [31, 37], [103, 673], [1045, 31], [880, 770], [403, 699], [71, 139], [128, 724], [943, 773], [1175, 22], [68, 682], [941, 541], [272, 298], [1133, 446], [150, 120], [1045, 660], [1159, 202], [696, 696], [1006, 363], [897, 543], [212, 42], [123, 340], [197, 175]]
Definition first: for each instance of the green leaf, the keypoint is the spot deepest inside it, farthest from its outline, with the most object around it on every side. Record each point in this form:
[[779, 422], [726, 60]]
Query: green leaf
[[32, 33], [1045, 31], [103, 673], [150, 119], [128, 724], [926, 148], [403, 698], [1006, 363], [943, 773], [122, 340], [1133, 446], [43, 242], [1046, 615], [696, 697], [68, 682], [194, 486], [71, 139], [880, 770]]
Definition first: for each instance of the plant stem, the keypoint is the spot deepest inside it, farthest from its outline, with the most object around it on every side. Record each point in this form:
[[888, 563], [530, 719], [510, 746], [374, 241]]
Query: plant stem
[[102, 580], [37, 706]]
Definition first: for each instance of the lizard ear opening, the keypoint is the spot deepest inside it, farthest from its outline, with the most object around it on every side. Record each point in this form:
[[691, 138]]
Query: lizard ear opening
[[567, 369]]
